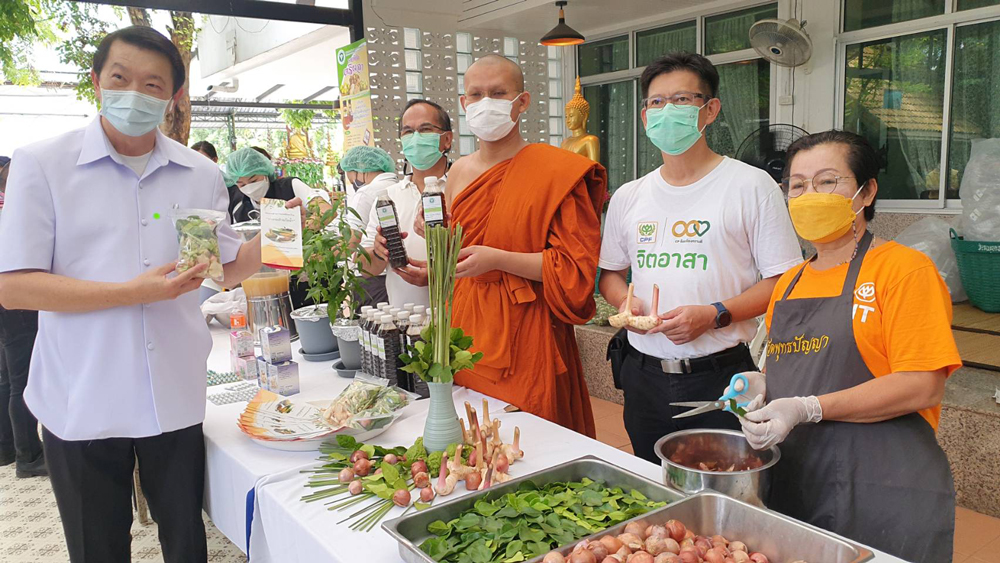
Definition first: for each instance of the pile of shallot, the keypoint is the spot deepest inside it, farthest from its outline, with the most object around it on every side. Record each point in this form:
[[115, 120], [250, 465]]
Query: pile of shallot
[[671, 542]]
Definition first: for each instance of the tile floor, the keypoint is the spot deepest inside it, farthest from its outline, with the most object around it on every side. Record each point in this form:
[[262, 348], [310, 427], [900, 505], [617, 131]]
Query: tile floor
[[977, 536], [30, 530]]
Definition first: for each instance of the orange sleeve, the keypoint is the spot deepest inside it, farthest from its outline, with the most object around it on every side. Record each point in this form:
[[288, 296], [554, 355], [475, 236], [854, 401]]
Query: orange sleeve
[[916, 322], [569, 261]]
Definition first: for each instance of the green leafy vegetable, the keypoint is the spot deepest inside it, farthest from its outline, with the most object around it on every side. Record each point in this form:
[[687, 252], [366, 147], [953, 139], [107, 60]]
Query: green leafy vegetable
[[737, 409], [198, 240], [530, 522]]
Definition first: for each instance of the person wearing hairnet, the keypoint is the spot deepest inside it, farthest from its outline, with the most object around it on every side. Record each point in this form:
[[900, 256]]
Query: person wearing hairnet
[[253, 178], [369, 171]]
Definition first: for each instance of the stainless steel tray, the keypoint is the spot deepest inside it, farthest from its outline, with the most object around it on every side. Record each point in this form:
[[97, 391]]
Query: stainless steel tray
[[780, 538], [410, 531]]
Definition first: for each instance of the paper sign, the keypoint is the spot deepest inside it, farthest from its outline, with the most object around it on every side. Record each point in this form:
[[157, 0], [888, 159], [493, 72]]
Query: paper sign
[[281, 235], [355, 95]]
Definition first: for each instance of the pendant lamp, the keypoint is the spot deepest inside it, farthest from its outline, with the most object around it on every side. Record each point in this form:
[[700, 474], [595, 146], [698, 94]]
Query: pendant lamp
[[562, 34]]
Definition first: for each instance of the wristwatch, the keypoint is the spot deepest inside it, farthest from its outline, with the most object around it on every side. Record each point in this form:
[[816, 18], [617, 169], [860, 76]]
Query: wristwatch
[[723, 317]]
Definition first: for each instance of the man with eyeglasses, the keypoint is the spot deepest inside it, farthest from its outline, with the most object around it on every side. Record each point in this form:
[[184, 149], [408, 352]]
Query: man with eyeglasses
[[426, 137], [714, 234]]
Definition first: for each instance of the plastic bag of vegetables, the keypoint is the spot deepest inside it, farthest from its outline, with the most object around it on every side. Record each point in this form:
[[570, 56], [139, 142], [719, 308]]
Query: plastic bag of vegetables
[[197, 235]]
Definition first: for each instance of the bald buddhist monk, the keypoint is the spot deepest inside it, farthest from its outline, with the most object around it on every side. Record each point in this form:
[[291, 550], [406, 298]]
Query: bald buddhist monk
[[530, 213]]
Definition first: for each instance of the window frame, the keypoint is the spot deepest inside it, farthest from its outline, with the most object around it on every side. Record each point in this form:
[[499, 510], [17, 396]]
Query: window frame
[[634, 72], [949, 21]]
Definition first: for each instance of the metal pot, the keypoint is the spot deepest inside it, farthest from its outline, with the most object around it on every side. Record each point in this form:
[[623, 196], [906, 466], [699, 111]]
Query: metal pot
[[751, 486]]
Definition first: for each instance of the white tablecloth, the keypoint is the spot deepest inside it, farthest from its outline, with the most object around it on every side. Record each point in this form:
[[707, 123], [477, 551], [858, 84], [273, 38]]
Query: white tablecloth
[[287, 530]]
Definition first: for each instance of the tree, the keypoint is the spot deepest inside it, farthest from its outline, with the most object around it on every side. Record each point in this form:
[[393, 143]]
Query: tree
[[21, 26]]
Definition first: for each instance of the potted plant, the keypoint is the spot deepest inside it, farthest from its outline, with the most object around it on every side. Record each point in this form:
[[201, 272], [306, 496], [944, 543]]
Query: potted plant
[[331, 248], [443, 351]]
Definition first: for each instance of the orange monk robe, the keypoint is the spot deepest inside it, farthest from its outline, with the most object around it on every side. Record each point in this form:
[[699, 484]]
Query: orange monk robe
[[544, 200]]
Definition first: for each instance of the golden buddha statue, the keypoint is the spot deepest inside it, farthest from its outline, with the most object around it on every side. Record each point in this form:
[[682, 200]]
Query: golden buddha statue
[[577, 112], [298, 145]]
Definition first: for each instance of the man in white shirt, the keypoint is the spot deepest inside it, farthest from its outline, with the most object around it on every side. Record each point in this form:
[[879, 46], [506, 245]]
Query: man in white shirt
[[426, 135], [370, 172], [706, 229], [118, 368]]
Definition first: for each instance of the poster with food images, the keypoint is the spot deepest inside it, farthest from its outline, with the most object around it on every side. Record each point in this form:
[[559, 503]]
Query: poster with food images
[[355, 95]]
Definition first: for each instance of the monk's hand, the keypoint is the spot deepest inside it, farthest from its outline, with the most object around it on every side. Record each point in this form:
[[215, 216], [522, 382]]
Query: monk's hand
[[382, 245], [415, 273], [686, 323], [475, 261]]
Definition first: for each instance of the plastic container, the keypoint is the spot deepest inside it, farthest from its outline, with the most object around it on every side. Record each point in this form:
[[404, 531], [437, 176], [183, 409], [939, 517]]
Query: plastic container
[[979, 266], [388, 220], [435, 209]]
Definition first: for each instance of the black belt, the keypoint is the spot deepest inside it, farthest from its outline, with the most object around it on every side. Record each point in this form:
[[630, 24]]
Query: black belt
[[711, 362]]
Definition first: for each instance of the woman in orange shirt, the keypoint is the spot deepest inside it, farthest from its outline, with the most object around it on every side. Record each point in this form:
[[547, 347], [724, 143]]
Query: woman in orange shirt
[[859, 348]]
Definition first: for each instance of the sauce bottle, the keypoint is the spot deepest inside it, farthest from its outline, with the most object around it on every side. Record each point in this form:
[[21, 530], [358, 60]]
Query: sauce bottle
[[389, 335], [402, 324], [435, 213], [363, 325], [388, 220]]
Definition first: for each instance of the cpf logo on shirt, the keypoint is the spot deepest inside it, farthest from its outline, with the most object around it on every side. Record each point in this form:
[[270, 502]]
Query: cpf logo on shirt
[[647, 232]]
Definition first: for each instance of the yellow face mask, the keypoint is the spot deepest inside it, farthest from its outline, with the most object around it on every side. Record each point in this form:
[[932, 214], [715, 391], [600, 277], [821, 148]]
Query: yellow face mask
[[822, 218]]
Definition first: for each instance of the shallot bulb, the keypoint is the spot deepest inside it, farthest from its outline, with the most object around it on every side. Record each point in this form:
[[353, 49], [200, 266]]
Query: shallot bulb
[[401, 497], [719, 540], [738, 546], [740, 557], [715, 555], [758, 557], [658, 531], [473, 480], [362, 467], [419, 466], [687, 542], [671, 546], [689, 555], [355, 487], [359, 454], [346, 475], [638, 528], [583, 556], [599, 550], [426, 494], [623, 553], [676, 530], [554, 557], [422, 480], [612, 543], [656, 545], [630, 540], [391, 459], [502, 464], [640, 557], [667, 558], [611, 559]]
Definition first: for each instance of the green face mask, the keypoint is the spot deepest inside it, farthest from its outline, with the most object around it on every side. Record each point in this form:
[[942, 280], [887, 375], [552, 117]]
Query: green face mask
[[422, 150], [673, 129]]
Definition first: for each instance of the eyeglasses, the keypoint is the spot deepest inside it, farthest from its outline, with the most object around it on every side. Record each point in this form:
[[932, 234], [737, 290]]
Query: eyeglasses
[[425, 128], [678, 99], [824, 183]]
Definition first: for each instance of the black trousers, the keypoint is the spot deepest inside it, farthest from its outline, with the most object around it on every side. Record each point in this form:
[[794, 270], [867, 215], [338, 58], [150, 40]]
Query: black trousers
[[92, 481], [649, 392], [18, 427]]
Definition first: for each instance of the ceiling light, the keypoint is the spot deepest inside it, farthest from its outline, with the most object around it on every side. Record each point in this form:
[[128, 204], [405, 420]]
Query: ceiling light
[[562, 34]]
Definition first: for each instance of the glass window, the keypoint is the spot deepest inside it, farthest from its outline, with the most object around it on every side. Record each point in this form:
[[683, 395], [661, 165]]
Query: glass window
[[975, 105], [745, 92], [555, 108], [894, 97], [607, 55], [463, 43], [413, 60], [464, 62], [463, 127], [971, 4], [510, 46], [466, 145], [554, 52], [555, 125], [411, 38], [861, 14], [414, 82], [555, 69], [555, 89], [654, 43], [731, 32], [611, 120]]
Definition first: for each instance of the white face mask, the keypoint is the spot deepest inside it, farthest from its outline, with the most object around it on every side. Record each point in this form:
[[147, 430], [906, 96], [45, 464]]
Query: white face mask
[[489, 119], [255, 190]]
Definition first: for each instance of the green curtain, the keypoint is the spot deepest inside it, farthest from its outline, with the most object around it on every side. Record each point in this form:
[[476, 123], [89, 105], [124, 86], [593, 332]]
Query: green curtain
[[745, 93], [611, 120], [654, 43], [730, 32]]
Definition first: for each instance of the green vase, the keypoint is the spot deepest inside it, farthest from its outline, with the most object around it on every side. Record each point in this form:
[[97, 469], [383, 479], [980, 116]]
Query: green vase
[[442, 428]]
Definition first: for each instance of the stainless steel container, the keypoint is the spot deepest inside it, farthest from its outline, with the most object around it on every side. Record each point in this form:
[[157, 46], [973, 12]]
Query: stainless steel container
[[270, 310], [751, 486], [411, 531], [778, 537]]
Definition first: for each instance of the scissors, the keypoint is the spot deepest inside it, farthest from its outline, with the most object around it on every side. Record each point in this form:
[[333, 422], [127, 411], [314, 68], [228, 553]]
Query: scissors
[[737, 386]]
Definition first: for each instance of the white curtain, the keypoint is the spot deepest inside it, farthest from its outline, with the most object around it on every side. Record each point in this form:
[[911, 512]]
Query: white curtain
[[740, 86]]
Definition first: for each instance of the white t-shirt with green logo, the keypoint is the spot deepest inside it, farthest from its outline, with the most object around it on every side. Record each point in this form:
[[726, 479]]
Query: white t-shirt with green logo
[[701, 243]]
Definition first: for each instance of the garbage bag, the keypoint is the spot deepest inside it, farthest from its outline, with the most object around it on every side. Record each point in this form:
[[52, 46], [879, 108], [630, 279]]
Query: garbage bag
[[221, 305], [931, 237], [980, 192]]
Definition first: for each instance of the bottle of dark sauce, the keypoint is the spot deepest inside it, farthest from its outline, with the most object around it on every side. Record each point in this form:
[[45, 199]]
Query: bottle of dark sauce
[[388, 220]]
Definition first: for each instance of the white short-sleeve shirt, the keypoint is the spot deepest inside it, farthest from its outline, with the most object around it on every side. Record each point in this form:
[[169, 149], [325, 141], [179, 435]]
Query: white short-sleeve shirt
[[406, 196], [75, 209], [701, 243]]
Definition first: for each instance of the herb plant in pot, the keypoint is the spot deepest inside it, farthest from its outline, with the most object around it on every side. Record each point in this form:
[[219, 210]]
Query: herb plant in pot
[[443, 351], [331, 254]]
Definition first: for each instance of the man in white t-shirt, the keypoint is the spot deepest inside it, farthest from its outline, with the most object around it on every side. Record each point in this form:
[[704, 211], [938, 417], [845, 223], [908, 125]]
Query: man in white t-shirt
[[714, 234], [426, 136]]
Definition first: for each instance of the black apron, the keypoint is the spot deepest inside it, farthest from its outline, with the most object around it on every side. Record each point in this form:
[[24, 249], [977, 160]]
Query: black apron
[[240, 205], [885, 484]]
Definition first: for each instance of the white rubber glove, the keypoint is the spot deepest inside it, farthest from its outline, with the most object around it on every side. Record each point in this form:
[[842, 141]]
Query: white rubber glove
[[758, 386], [765, 426]]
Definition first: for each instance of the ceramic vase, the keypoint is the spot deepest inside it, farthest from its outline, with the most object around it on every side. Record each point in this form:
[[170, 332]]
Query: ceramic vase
[[442, 428]]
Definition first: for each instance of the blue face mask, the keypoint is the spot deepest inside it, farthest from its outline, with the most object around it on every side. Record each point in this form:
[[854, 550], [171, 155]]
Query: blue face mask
[[422, 150], [132, 113], [673, 129]]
